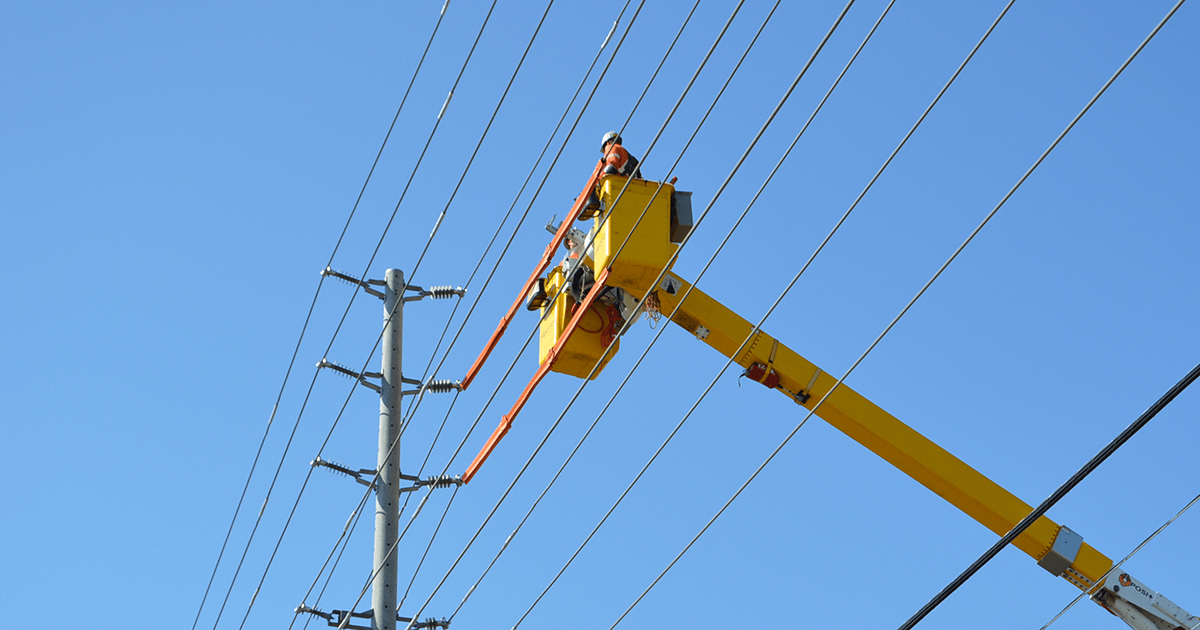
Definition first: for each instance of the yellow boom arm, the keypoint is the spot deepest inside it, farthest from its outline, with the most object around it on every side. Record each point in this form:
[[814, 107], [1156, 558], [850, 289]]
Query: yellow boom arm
[[847, 410], [640, 226]]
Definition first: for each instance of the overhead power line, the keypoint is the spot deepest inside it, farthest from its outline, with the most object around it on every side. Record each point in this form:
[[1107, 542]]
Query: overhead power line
[[437, 225], [639, 360], [342, 541], [754, 475], [499, 228], [346, 535], [1116, 443], [512, 365], [304, 329], [1054, 497], [300, 494], [412, 411], [681, 247]]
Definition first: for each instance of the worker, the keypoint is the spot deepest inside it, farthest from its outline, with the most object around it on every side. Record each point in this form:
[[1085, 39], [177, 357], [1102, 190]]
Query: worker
[[618, 161], [615, 160]]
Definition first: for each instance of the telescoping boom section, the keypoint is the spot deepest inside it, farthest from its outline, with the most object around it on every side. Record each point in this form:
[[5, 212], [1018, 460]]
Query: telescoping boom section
[[634, 237]]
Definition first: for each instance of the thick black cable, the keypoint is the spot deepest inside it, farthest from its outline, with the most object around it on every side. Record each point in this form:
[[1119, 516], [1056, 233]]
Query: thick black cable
[[1055, 496], [1116, 443], [304, 327], [872, 346]]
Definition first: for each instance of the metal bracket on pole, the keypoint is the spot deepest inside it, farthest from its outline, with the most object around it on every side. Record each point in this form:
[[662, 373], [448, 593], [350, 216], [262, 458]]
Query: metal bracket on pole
[[361, 378], [341, 619], [430, 622], [358, 475], [366, 286]]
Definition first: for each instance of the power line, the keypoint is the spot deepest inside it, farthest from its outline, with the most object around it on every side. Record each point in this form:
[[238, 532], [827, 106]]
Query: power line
[[482, 137], [704, 270], [342, 541], [507, 214], [661, 63], [370, 261], [1125, 435], [304, 327], [413, 411], [528, 177], [1054, 497], [362, 502], [681, 247], [512, 365], [534, 330], [1196, 371]]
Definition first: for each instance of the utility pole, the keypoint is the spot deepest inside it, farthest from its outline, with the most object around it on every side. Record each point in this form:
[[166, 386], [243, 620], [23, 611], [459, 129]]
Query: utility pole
[[387, 493], [387, 475]]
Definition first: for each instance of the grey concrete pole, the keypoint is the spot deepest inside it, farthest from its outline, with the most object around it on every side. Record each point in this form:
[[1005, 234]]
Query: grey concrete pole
[[387, 494]]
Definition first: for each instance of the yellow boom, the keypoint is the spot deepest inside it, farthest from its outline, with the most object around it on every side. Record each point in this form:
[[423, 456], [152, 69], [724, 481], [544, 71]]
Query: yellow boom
[[637, 231]]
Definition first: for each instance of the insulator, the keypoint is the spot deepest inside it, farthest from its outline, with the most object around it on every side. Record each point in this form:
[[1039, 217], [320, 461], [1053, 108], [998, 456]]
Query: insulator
[[443, 481], [336, 467], [443, 386], [440, 293], [337, 367], [344, 277]]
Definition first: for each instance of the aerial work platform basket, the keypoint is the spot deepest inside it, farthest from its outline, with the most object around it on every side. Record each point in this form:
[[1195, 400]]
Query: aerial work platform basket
[[585, 347], [647, 248]]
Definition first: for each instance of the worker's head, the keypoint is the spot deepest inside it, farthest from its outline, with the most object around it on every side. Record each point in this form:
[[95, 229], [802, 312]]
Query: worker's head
[[608, 139]]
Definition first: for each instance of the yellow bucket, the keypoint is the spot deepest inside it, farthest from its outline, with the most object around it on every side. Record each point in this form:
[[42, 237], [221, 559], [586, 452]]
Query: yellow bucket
[[647, 248], [584, 348]]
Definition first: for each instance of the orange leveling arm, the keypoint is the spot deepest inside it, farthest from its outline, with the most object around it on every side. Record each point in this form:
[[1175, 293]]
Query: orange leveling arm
[[577, 208], [507, 420]]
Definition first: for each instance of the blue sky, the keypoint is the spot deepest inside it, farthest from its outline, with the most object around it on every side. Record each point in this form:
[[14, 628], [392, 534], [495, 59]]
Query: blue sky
[[174, 178]]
